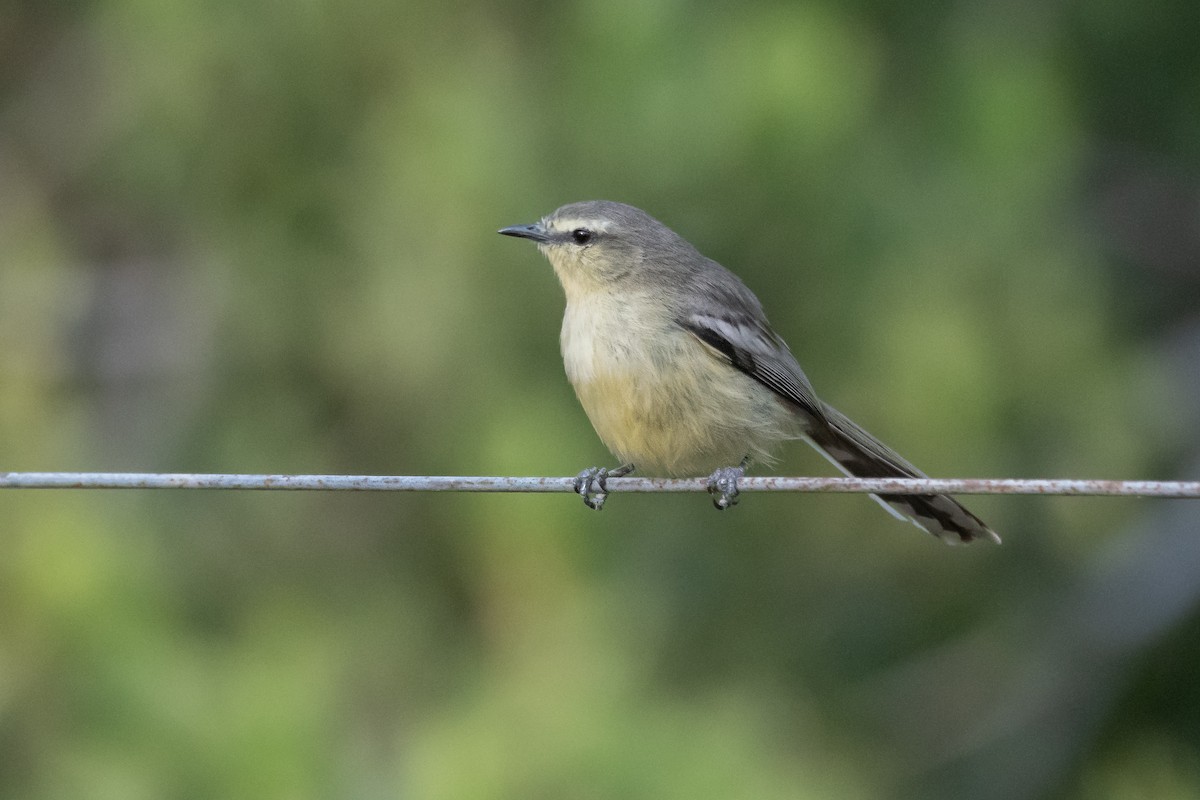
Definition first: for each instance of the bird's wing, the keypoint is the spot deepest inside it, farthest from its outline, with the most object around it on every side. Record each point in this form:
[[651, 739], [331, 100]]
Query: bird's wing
[[749, 344]]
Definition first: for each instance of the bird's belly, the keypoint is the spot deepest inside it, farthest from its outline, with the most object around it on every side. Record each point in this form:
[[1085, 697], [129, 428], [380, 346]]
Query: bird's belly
[[666, 405], [657, 428]]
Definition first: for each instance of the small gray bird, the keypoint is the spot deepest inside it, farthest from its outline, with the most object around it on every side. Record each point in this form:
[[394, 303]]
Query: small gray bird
[[678, 370]]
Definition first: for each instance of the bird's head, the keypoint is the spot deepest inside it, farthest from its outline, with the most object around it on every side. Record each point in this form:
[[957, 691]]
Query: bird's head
[[598, 243]]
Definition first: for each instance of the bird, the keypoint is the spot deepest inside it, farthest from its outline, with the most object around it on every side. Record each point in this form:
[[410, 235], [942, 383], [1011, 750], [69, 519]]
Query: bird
[[679, 371]]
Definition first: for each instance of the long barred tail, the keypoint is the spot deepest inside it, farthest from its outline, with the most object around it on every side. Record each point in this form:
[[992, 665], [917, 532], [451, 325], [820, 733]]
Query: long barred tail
[[860, 455]]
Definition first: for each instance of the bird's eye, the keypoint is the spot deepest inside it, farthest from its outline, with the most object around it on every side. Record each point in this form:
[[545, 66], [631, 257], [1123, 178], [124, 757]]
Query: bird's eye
[[581, 235]]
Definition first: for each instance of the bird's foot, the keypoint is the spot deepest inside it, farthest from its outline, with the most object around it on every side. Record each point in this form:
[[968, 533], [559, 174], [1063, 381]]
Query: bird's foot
[[723, 486], [592, 484]]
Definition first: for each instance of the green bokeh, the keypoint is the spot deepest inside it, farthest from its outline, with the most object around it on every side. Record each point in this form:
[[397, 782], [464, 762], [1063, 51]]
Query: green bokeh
[[260, 237]]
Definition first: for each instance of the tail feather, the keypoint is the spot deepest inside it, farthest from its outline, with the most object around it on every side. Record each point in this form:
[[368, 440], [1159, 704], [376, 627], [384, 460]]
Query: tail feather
[[860, 455]]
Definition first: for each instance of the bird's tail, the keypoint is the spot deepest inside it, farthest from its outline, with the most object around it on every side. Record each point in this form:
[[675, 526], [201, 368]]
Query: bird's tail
[[860, 455]]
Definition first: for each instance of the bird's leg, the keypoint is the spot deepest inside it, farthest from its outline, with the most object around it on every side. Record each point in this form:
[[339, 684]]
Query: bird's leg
[[723, 484], [592, 483]]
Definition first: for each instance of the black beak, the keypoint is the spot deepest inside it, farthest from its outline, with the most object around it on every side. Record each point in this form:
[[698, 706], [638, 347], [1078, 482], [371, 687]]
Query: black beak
[[536, 232]]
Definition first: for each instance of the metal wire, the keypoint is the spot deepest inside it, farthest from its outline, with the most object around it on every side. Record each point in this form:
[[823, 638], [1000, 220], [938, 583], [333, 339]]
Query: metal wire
[[428, 483]]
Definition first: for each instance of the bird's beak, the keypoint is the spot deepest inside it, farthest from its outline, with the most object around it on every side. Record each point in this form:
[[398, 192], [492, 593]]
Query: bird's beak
[[537, 232]]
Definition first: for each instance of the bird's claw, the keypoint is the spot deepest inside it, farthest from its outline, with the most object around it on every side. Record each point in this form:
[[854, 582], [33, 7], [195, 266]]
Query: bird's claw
[[592, 483], [723, 486], [592, 486]]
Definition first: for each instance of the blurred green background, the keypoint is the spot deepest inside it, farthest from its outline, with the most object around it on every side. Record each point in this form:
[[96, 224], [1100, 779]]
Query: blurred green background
[[260, 237]]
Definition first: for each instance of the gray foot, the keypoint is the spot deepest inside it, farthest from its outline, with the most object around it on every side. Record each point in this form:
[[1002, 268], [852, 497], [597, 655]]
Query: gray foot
[[723, 486], [592, 484]]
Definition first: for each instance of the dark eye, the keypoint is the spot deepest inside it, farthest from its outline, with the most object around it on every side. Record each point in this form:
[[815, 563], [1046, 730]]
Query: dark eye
[[581, 235]]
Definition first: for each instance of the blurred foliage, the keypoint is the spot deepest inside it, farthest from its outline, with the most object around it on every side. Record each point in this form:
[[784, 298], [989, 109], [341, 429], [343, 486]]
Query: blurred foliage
[[260, 237]]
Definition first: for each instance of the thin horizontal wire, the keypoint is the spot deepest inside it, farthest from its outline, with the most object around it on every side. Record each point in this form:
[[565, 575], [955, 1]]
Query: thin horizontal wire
[[433, 483]]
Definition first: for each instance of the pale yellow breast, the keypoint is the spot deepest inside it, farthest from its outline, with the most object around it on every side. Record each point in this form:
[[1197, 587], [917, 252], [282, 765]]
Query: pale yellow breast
[[658, 398]]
